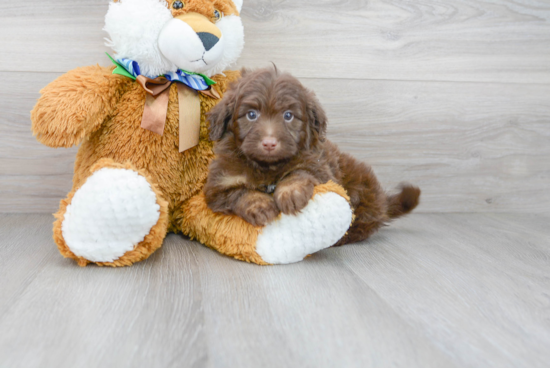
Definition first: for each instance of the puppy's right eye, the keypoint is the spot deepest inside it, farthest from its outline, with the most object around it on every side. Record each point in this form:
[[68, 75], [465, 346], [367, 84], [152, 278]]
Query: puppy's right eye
[[252, 115], [288, 116]]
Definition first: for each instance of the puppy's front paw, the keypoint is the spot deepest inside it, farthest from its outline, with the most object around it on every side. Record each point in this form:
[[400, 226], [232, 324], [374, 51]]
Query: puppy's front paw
[[292, 198], [258, 210]]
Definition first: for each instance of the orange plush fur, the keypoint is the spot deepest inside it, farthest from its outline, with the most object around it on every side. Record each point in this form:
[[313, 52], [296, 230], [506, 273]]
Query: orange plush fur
[[112, 125], [237, 236]]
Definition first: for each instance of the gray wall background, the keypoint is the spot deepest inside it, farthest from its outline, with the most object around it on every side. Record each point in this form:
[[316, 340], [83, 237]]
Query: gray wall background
[[451, 95]]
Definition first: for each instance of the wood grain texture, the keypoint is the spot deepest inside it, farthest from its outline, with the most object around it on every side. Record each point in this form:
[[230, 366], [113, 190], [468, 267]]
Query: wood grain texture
[[145, 316], [442, 290], [471, 40], [449, 95], [469, 146], [494, 266], [311, 314], [25, 252], [33, 177]]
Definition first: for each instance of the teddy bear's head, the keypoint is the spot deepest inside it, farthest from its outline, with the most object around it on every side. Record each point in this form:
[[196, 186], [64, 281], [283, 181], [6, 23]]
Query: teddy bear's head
[[162, 36]]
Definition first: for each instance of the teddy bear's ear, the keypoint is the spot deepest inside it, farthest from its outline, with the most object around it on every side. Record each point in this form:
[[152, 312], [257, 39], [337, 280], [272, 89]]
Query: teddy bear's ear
[[238, 4]]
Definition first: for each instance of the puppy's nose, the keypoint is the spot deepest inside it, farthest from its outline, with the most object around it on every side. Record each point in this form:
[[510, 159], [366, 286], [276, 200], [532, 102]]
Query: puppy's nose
[[208, 40], [270, 143]]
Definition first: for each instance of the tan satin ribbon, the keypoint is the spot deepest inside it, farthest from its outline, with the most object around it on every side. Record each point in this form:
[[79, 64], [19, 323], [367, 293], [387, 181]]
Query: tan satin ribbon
[[190, 117], [156, 109], [156, 103]]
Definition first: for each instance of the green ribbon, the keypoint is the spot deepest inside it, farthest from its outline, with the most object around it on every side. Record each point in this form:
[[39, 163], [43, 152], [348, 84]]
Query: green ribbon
[[120, 70]]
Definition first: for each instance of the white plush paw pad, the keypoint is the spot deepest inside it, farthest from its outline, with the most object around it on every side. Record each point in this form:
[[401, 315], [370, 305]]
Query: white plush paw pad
[[323, 222], [109, 215]]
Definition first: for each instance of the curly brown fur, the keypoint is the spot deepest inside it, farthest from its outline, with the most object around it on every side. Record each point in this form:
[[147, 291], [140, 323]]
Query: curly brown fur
[[271, 132]]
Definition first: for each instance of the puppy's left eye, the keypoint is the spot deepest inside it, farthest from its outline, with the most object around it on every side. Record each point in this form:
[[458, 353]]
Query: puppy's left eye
[[288, 116], [217, 15], [252, 115]]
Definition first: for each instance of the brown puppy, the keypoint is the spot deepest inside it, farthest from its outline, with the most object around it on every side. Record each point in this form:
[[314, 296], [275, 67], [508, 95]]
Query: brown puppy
[[272, 151]]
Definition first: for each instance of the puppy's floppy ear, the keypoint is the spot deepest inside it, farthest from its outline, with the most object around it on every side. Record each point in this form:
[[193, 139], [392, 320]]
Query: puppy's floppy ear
[[221, 115], [244, 71], [317, 118]]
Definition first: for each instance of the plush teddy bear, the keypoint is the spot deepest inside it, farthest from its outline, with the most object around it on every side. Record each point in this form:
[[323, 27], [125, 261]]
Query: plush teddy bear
[[145, 151]]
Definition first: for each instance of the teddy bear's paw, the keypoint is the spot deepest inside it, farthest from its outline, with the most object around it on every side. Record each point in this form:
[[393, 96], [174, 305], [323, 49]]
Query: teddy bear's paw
[[110, 215], [319, 225]]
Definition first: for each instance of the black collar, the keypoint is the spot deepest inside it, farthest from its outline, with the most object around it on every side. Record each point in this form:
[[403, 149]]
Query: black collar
[[269, 189]]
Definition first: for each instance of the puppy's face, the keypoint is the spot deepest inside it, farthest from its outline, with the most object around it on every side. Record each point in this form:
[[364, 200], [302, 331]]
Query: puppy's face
[[271, 124], [271, 117]]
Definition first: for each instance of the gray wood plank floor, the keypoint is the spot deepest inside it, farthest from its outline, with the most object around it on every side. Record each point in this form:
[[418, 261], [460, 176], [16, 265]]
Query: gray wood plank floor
[[431, 290]]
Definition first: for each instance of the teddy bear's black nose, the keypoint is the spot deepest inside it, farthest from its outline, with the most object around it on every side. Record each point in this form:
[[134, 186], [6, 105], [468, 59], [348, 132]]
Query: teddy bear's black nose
[[177, 5], [208, 40]]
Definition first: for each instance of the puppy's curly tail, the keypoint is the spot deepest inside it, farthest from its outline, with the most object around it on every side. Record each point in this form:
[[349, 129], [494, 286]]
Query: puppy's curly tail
[[403, 203]]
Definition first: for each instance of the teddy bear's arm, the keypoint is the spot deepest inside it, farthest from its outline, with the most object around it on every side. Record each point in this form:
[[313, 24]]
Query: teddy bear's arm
[[75, 105]]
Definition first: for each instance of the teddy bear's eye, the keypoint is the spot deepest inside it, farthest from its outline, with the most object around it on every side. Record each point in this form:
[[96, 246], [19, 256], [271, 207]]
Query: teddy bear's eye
[[217, 15], [178, 5]]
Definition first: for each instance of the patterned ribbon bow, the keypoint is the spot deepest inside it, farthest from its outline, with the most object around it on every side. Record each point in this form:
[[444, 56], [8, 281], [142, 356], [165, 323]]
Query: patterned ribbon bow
[[157, 98]]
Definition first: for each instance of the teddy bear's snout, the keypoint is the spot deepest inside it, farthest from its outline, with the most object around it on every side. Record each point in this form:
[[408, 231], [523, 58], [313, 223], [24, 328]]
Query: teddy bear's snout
[[208, 40], [200, 24], [207, 31], [192, 42]]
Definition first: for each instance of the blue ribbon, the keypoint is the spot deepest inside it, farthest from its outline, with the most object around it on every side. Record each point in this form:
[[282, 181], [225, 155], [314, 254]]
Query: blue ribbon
[[195, 81]]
